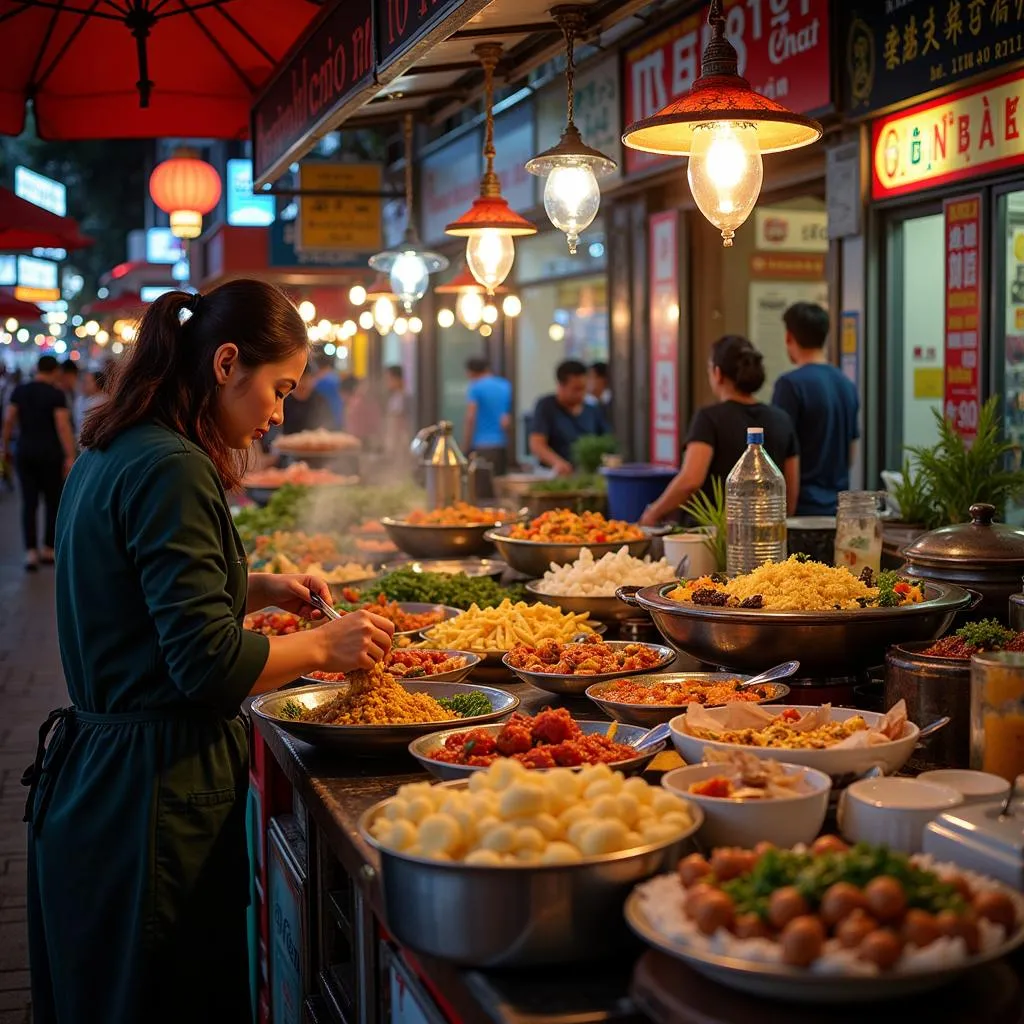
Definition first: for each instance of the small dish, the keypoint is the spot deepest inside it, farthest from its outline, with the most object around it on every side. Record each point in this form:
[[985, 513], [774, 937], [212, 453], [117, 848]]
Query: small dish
[[974, 787], [893, 811]]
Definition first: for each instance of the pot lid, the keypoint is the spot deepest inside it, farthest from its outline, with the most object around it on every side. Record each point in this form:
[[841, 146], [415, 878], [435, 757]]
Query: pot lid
[[980, 542]]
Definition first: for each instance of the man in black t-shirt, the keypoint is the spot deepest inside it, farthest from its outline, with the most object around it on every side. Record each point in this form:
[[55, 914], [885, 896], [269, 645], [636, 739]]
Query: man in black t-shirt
[[561, 419], [46, 452]]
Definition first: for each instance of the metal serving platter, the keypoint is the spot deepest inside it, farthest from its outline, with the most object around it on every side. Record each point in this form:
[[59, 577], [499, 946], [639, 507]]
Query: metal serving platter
[[826, 643], [455, 675], [373, 740], [422, 748], [437, 541], [475, 567], [604, 609], [533, 558], [573, 684], [650, 715]]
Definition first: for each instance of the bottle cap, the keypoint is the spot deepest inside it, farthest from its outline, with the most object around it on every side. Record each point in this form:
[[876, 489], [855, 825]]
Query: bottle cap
[[755, 435]]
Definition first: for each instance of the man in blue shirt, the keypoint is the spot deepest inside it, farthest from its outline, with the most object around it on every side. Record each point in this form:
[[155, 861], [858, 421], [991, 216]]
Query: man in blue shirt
[[488, 414], [328, 385], [823, 406], [562, 418]]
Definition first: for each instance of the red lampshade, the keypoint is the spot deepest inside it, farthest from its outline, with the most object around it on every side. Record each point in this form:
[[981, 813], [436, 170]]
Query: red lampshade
[[185, 187], [490, 212]]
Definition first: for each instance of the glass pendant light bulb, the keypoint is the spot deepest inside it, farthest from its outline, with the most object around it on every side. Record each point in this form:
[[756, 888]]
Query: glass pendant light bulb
[[571, 200], [490, 255], [445, 318], [357, 295], [383, 315], [725, 173], [470, 310], [409, 277], [366, 320]]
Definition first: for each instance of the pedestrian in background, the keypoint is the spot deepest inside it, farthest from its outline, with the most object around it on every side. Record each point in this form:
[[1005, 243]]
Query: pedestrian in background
[[561, 419], [307, 407], [397, 413], [599, 390], [67, 381], [488, 414], [329, 386], [823, 406], [45, 454]]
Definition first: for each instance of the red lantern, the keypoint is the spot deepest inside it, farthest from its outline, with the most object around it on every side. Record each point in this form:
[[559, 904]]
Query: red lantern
[[185, 187]]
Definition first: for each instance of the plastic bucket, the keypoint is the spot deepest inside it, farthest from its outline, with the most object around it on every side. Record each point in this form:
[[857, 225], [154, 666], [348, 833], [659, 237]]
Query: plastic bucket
[[632, 487]]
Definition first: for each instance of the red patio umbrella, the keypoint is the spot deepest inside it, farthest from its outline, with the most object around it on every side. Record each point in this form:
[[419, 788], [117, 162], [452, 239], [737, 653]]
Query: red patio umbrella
[[21, 311], [128, 303], [23, 225], [108, 69]]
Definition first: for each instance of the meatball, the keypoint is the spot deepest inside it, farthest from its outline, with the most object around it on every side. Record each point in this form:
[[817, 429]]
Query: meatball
[[784, 905], [885, 898], [802, 940], [714, 911], [538, 757], [479, 744], [692, 869], [839, 901], [881, 947], [920, 928], [553, 726], [996, 907], [854, 929], [514, 739], [566, 755]]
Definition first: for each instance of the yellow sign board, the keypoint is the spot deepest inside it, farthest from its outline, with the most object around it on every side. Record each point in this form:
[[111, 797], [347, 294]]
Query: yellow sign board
[[338, 222], [960, 136], [929, 382], [26, 294]]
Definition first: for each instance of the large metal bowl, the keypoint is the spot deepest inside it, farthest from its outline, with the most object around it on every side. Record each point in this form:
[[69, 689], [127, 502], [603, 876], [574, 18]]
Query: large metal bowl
[[533, 558], [650, 715], [432, 540], [573, 684], [475, 567], [372, 740], [515, 916], [825, 643], [423, 747], [455, 675], [603, 609]]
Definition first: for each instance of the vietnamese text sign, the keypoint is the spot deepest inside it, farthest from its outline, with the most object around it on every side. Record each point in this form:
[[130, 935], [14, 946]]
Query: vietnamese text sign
[[782, 47], [781, 228], [898, 49], [974, 131], [962, 218], [664, 308], [329, 222], [41, 191], [400, 23], [332, 63]]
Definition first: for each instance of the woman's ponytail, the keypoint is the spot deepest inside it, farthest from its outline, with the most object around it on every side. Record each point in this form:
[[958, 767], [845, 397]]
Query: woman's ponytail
[[740, 362]]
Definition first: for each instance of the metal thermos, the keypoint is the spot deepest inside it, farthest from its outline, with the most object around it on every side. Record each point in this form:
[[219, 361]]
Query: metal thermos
[[443, 465], [479, 479]]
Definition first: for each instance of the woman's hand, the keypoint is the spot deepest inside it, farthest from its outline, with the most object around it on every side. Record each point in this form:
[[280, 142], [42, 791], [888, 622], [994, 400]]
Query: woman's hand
[[651, 516], [562, 467], [355, 641], [288, 591]]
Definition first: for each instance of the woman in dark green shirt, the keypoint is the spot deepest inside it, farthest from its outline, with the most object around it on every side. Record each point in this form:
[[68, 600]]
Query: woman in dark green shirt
[[138, 875]]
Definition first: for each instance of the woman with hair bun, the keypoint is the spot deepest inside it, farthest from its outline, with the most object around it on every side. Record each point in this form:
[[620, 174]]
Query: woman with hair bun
[[718, 434], [138, 872]]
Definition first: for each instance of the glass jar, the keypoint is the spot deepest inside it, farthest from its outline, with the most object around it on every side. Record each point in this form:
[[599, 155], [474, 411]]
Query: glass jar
[[997, 713], [858, 532]]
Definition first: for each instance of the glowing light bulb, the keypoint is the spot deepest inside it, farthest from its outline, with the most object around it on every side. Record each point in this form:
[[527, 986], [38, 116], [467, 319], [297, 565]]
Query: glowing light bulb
[[366, 319], [23, 334], [490, 313], [512, 305], [357, 295], [92, 327], [383, 315], [307, 311], [128, 333], [445, 318], [470, 309], [409, 278], [490, 255], [313, 333], [725, 172], [329, 349], [556, 332], [486, 330], [571, 200], [415, 324], [102, 337], [117, 348], [11, 325], [400, 326], [348, 328]]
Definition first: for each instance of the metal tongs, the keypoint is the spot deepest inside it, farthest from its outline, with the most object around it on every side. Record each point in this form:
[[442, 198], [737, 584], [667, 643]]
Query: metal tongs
[[322, 606]]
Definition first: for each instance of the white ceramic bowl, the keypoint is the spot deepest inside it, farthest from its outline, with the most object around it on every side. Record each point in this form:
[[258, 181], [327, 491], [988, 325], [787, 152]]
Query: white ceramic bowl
[[974, 787], [893, 812], [890, 757], [784, 822]]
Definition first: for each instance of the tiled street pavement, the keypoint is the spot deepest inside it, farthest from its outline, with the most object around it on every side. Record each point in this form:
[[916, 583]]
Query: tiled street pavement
[[31, 684]]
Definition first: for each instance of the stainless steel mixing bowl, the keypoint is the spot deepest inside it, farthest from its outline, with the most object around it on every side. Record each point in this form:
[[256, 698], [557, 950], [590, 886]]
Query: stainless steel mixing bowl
[[533, 558]]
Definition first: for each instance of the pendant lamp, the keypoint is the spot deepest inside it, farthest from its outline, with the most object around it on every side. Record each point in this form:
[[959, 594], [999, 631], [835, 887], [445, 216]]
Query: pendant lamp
[[410, 265], [724, 127], [490, 224], [572, 195]]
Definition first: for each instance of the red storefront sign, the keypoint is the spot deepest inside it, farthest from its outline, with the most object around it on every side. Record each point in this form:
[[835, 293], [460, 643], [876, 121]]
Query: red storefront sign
[[963, 312], [783, 52], [664, 297]]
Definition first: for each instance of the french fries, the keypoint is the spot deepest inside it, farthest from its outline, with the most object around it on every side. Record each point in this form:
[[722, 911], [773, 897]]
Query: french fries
[[501, 628]]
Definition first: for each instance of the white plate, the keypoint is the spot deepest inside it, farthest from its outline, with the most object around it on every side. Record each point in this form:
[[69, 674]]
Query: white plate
[[778, 981], [890, 757]]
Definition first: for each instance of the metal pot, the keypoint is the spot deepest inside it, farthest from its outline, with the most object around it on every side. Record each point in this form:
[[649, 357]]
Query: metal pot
[[982, 556], [933, 687]]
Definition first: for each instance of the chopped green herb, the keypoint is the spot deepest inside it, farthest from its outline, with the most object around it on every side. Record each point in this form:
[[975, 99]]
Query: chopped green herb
[[886, 583], [292, 709], [986, 635], [467, 705]]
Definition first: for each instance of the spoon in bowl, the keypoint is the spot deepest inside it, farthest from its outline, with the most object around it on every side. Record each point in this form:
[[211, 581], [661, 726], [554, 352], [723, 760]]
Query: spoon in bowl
[[783, 671]]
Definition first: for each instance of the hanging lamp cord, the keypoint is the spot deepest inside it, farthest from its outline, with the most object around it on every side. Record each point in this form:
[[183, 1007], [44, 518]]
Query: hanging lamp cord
[[410, 220], [489, 54], [570, 70]]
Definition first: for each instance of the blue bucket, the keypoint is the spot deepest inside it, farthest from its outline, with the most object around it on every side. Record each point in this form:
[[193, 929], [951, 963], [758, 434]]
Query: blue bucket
[[633, 486]]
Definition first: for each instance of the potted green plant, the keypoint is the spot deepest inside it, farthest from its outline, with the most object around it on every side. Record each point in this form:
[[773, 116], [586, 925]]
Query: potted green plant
[[584, 490], [704, 542]]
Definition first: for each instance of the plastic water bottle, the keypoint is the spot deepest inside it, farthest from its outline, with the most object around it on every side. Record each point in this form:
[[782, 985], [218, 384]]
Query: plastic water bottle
[[755, 508]]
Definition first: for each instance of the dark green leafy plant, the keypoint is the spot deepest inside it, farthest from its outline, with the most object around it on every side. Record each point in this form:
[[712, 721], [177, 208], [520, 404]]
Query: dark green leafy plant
[[569, 484], [587, 451], [709, 513], [956, 476]]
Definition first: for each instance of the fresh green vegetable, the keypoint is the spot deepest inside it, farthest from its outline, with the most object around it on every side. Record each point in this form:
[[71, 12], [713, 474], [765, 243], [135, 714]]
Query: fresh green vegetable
[[292, 709], [986, 635], [813, 874], [886, 583], [709, 513], [588, 450], [576, 482], [280, 513], [467, 705], [456, 589]]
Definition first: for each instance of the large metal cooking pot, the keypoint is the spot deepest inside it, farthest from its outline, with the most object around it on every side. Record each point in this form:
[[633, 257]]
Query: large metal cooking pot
[[826, 643], [933, 687], [983, 556]]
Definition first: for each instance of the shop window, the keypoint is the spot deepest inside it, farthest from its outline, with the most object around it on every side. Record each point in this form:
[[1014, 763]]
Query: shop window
[[1011, 316]]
